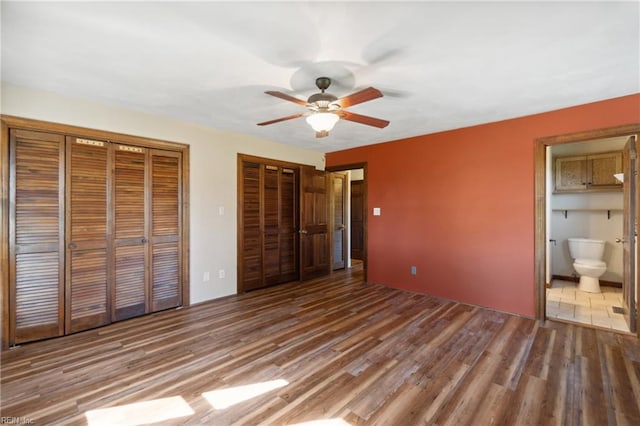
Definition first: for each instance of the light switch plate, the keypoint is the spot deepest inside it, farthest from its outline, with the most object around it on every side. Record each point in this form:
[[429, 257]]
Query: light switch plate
[[376, 211]]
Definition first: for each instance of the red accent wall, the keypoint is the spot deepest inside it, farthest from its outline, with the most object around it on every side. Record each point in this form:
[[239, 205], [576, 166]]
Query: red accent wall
[[459, 205]]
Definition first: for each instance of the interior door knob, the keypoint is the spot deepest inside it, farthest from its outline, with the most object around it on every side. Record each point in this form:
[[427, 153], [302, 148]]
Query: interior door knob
[[303, 231], [620, 240]]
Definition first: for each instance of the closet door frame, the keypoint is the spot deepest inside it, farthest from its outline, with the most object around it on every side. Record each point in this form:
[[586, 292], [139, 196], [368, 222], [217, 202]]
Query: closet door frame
[[8, 122]]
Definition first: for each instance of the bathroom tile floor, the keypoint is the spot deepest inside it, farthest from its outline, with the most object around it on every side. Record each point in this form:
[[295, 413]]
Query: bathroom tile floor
[[566, 302]]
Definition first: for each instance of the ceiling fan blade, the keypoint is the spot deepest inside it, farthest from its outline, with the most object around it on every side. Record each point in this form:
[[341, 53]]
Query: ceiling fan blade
[[363, 119], [277, 120], [286, 97], [363, 95]]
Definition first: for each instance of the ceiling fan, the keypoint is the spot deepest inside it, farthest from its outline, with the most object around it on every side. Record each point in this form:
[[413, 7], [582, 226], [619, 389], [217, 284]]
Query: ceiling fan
[[325, 109]]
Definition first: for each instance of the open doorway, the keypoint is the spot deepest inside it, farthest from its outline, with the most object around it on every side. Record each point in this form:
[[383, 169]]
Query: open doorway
[[349, 217], [585, 212], [568, 211]]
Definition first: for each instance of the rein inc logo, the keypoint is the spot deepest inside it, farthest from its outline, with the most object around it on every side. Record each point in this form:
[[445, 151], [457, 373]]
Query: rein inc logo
[[6, 420]]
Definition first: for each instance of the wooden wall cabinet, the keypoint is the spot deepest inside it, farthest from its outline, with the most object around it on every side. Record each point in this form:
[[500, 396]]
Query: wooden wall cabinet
[[95, 232], [588, 173]]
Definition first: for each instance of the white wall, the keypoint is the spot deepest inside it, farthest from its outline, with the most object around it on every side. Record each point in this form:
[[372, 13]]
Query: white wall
[[356, 174], [592, 222], [213, 171]]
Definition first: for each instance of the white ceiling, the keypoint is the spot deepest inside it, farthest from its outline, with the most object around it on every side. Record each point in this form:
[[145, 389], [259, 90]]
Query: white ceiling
[[440, 65]]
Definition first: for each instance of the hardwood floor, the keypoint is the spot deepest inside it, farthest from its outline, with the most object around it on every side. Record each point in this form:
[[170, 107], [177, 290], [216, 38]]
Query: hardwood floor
[[332, 348]]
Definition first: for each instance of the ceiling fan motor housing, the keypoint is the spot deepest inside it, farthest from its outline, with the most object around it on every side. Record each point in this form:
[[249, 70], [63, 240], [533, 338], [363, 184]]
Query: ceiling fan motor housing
[[322, 100]]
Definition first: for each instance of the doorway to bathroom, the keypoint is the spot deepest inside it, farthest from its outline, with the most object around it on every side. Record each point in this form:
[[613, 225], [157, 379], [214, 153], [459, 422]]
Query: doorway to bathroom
[[349, 240], [578, 196]]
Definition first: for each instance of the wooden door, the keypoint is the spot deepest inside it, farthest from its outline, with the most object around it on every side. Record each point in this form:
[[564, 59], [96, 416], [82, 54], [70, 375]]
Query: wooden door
[[268, 247], [271, 225], [630, 188], [36, 228], [130, 280], [314, 227], [88, 249], [357, 219], [280, 225], [250, 227], [339, 220], [288, 225], [166, 232]]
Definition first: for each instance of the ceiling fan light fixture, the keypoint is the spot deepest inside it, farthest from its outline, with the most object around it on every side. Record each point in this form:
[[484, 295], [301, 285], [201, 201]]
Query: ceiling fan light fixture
[[322, 121]]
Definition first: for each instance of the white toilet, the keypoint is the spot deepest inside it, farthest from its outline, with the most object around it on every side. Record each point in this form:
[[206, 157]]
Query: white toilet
[[587, 255]]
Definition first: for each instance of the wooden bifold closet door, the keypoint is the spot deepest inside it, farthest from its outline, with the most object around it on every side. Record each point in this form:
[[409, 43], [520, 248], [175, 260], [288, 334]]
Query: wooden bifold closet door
[[269, 217], [130, 291], [147, 201], [88, 246], [95, 233], [36, 235], [166, 232], [280, 225], [250, 238]]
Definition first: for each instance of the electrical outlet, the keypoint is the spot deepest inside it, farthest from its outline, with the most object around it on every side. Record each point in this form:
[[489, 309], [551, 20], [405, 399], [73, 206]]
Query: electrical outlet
[[221, 273], [414, 270], [206, 277]]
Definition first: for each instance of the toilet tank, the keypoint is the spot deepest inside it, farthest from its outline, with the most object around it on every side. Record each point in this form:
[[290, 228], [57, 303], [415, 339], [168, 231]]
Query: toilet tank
[[586, 248]]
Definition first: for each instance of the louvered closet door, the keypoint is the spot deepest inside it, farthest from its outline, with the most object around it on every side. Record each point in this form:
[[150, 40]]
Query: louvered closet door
[[36, 247], [88, 248], [250, 218], [129, 292], [288, 229], [271, 227], [166, 232]]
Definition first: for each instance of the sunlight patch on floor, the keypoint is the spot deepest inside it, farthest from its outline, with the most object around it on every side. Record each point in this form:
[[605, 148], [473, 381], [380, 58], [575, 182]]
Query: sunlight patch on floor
[[324, 422], [140, 413], [224, 398]]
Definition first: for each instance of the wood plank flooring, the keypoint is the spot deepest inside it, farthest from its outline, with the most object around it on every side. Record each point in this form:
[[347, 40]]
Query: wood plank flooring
[[334, 349]]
